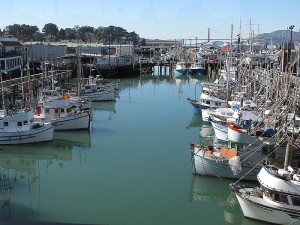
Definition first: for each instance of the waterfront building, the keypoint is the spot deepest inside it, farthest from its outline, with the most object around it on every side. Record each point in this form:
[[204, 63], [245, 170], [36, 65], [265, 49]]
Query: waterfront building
[[10, 54]]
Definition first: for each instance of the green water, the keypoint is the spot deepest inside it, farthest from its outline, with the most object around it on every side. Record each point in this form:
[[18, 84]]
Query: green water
[[132, 168]]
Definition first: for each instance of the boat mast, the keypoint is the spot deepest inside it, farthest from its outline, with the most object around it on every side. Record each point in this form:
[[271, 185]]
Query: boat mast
[[29, 84], [78, 71], [2, 91], [229, 65]]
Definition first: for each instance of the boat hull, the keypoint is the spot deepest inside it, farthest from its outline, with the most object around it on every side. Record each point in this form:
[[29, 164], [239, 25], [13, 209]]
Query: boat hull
[[196, 106], [100, 96], [241, 136], [41, 133], [221, 131], [207, 167], [73, 122], [258, 209]]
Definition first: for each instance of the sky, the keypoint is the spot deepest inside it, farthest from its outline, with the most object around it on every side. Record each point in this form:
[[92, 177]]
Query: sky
[[158, 19]]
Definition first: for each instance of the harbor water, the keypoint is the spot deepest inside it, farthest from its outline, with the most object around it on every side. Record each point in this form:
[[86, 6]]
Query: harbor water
[[132, 168]]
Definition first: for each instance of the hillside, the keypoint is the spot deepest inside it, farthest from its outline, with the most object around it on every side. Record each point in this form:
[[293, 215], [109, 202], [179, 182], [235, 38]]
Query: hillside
[[279, 36]]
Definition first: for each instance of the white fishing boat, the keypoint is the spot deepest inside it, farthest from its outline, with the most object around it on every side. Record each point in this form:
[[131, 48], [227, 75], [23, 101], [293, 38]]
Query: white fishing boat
[[54, 94], [63, 113], [220, 129], [181, 67], [234, 161], [276, 200], [220, 117], [101, 82], [97, 94], [20, 128]]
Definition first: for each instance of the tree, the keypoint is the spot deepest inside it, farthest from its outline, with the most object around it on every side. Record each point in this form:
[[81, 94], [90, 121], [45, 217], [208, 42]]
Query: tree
[[29, 30], [134, 38], [70, 34], [50, 30], [142, 42], [83, 31], [21, 29], [61, 33]]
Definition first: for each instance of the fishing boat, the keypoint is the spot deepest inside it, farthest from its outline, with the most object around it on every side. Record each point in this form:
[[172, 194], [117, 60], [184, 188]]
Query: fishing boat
[[234, 161], [276, 200], [94, 93], [220, 129], [19, 127], [63, 113], [181, 67], [196, 105], [101, 82], [222, 118], [197, 68]]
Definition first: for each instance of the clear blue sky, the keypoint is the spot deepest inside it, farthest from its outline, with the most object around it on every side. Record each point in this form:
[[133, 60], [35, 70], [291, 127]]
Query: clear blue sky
[[161, 19]]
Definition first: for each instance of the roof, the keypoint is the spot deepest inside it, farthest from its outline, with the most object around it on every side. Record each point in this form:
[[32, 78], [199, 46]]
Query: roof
[[10, 43]]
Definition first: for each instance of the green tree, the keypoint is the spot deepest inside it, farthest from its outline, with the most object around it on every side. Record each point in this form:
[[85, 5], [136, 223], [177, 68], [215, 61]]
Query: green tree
[[21, 29], [61, 33], [50, 30], [70, 34], [135, 38], [86, 32]]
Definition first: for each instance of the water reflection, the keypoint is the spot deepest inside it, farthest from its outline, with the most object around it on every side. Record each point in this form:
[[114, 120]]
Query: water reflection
[[207, 131], [204, 189], [196, 121], [20, 169], [109, 106], [79, 138]]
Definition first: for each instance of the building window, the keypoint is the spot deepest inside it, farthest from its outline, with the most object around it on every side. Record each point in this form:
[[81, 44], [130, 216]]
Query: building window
[[25, 122], [5, 124]]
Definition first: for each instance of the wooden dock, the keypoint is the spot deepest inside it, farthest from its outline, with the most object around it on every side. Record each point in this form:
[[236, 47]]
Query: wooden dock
[[28, 86]]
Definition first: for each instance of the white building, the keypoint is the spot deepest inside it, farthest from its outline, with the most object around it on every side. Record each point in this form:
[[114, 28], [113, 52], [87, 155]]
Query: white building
[[10, 54]]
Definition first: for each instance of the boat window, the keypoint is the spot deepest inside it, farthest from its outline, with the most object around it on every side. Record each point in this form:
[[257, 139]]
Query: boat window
[[56, 110], [222, 113], [19, 124], [207, 102], [279, 198], [5, 124], [25, 122], [295, 200], [62, 110]]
